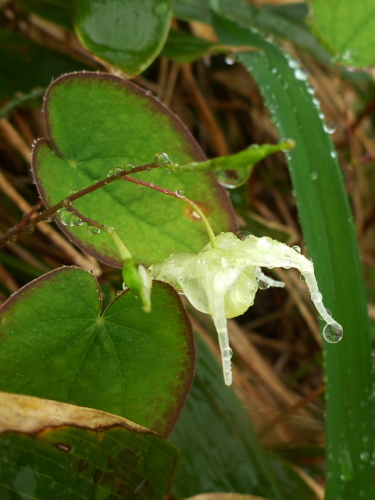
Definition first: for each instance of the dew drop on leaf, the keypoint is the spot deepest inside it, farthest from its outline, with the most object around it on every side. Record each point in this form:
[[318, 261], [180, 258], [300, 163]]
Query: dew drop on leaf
[[329, 127], [161, 159], [92, 229], [180, 193]]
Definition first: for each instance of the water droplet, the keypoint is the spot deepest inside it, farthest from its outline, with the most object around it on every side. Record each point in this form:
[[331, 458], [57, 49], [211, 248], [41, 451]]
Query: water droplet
[[92, 229], [365, 456], [118, 170], [119, 292], [65, 216], [110, 229], [292, 63], [29, 228], [73, 191], [329, 127], [232, 179], [161, 159], [316, 297], [152, 185], [75, 221], [91, 271], [296, 248], [346, 465], [264, 244], [230, 60], [262, 285], [227, 353], [314, 175], [242, 235], [180, 193], [110, 173], [333, 154], [332, 333], [128, 167], [302, 278], [301, 74], [140, 187]]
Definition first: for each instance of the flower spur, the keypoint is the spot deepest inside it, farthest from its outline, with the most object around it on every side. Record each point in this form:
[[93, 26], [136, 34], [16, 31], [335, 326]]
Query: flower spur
[[223, 278]]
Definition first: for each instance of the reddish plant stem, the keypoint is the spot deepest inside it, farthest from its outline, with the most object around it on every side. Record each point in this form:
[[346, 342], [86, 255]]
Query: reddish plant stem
[[17, 229]]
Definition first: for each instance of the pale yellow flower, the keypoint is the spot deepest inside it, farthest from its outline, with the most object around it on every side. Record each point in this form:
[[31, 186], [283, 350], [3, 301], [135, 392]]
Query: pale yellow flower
[[223, 281]]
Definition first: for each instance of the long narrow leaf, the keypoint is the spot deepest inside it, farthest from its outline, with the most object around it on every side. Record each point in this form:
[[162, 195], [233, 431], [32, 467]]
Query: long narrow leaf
[[330, 237]]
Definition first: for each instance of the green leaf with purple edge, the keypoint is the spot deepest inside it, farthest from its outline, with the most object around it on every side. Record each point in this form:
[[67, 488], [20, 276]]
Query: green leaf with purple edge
[[55, 343], [123, 33], [97, 122]]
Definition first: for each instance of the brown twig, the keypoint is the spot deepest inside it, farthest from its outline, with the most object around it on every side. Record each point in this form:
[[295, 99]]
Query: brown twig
[[218, 140], [292, 409], [46, 214]]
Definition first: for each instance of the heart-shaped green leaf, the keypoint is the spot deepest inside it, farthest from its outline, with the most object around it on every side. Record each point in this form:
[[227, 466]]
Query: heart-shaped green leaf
[[124, 33], [54, 450], [56, 344], [97, 122]]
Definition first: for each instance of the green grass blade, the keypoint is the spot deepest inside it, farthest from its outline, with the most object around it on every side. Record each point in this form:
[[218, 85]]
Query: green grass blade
[[330, 237]]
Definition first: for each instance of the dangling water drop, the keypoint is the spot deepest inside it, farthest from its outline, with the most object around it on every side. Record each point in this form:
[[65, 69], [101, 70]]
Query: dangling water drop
[[161, 159], [232, 179], [296, 248], [110, 173], [262, 285], [29, 228], [128, 167], [332, 333], [92, 229], [75, 221], [65, 216], [180, 193]]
